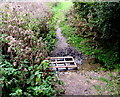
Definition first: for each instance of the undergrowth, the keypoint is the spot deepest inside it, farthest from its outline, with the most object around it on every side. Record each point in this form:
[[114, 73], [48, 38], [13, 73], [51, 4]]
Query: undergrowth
[[81, 33], [111, 85], [25, 42]]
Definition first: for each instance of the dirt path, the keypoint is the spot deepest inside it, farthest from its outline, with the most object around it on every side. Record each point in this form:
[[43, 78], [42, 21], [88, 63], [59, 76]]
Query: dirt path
[[77, 82], [84, 83], [62, 48], [61, 42]]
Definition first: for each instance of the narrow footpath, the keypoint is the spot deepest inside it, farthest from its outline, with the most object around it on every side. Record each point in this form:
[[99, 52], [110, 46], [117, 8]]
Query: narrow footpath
[[77, 82], [62, 48]]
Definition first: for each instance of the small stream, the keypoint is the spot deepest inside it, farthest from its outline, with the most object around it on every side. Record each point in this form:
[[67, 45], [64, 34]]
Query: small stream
[[62, 48]]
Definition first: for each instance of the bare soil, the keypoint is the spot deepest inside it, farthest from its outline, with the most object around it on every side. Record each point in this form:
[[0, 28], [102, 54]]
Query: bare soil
[[82, 81]]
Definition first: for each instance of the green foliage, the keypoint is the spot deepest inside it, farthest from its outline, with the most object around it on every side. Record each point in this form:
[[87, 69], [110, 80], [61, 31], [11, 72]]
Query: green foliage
[[99, 25], [36, 80], [26, 41], [66, 29], [50, 37], [61, 9], [93, 29], [98, 87], [111, 85], [109, 58]]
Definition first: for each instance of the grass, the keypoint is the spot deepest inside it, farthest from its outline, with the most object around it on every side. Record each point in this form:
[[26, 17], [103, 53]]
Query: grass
[[78, 42], [71, 37], [111, 85], [61, 9], [98, 88], [69, 32]]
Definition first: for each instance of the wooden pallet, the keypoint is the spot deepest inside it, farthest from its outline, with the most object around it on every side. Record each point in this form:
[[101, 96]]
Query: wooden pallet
[[62, 62]]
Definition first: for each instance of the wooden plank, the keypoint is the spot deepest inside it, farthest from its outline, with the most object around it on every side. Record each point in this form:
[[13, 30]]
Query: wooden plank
[[63, 62], [56, 65], [60, 57], [63, 67], [74, 62]]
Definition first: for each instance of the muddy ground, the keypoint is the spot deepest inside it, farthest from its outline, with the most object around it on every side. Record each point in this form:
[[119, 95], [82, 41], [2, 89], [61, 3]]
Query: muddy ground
[[62, 48]]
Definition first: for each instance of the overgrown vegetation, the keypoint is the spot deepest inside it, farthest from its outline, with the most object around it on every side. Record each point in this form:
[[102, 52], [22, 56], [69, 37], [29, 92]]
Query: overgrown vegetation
[[100, 27], [26, 41], [93, 28], [60, 8], [111, 85]]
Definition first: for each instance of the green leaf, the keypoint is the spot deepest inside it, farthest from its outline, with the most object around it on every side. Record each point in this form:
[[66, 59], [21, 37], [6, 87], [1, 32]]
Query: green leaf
[[37, 72], [28, 81], [32, 77]]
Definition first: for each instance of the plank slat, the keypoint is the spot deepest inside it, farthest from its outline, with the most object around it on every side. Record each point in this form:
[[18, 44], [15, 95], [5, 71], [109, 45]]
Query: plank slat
[[60, 57], [63, 67], [63, 62]]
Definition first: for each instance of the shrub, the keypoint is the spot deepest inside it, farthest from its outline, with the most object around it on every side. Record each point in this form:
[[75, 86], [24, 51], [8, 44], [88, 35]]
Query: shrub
[[30, 81], [25, 40], [98, 22]]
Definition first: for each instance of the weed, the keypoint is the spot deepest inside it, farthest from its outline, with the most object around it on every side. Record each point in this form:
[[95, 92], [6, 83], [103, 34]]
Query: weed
[[111, 85]]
